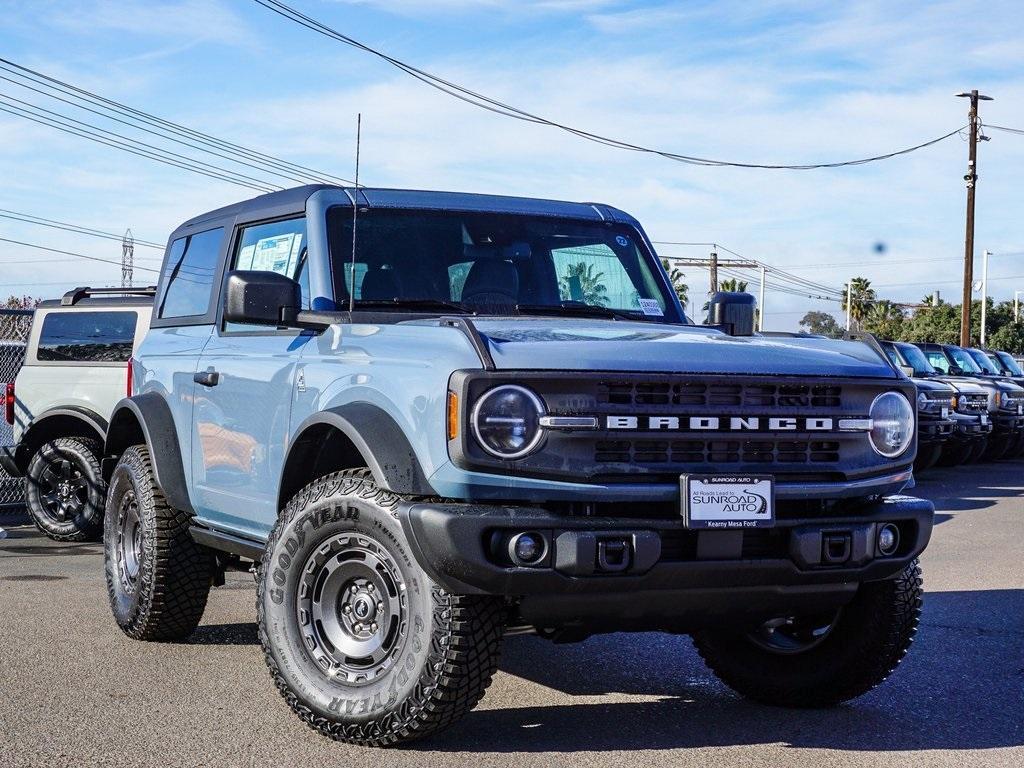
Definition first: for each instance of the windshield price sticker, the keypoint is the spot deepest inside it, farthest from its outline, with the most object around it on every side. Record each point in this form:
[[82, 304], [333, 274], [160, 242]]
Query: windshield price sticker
[[727, 502], [651, 307]]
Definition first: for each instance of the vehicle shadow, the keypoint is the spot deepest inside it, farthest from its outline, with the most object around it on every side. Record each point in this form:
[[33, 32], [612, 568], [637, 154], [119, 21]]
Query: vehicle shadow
[[961, 687], [240, 633]]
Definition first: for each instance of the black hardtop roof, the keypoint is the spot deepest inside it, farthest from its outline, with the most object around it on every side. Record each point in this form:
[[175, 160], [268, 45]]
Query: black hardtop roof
[[381, 197]]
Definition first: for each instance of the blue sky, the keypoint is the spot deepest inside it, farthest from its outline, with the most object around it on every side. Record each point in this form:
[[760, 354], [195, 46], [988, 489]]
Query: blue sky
[[775, 81]]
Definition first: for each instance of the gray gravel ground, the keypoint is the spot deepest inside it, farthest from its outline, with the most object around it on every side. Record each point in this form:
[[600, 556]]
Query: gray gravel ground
[[75, 691]]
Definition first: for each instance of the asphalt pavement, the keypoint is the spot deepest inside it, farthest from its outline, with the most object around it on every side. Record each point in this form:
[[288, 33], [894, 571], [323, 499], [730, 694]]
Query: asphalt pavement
[[75, 691]]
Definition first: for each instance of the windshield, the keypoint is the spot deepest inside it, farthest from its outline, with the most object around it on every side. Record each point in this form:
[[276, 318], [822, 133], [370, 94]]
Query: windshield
[[964, 360], [451, 261], [1009, 364], [982, 360], [915, 358]]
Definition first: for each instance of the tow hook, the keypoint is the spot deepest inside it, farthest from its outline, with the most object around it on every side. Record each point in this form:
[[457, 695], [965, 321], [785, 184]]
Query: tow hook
[[613, 555]]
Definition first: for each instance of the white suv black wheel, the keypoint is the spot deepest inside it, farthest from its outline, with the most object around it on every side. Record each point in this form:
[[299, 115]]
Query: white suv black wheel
[[64, 489]]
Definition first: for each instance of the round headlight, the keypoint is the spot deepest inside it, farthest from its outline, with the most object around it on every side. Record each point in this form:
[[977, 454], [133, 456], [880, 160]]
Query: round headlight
[[506, 421], [892, 424], [922, 402]]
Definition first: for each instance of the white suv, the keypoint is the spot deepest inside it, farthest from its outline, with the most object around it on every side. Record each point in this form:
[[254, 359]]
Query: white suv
[[76, 370]]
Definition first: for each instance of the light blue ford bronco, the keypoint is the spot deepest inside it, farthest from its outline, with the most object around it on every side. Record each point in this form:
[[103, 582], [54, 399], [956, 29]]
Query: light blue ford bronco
[[432, 418]]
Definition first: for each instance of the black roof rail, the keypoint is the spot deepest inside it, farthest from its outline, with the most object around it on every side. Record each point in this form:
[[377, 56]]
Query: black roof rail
[[75, 295]]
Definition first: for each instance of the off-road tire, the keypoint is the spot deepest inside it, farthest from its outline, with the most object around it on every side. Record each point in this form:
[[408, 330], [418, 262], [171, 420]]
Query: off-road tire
[[441, 667], [174, 573], [927, 457], [81, 455], [870, 638]]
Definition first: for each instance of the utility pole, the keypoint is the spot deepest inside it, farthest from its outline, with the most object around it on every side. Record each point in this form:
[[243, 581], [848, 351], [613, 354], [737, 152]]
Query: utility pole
[[127, 259], [1016, 306], [971, 177], [714, 272], [984, 292], [760, 301], [849, 303]]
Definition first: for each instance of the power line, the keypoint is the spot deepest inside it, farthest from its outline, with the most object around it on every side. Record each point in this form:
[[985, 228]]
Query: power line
[[88, 130], [152, 156], [70, 253], [164, 128], [498, 107], [28, 218]]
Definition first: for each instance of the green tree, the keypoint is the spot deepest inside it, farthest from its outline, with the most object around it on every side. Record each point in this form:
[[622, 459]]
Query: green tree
[[591, 287], [821, 324], [1009, 338], [732, 285], [862, 295], [676, 277], [884, 319]]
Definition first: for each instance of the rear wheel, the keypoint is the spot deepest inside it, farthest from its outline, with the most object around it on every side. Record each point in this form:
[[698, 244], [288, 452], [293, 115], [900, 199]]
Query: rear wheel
[[65, 491], [158, 578], [820, 661], [362, 644]]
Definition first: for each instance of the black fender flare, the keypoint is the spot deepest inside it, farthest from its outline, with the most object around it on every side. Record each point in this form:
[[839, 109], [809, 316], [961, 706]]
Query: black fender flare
[[381, 442], [21, 455], [148, 416]]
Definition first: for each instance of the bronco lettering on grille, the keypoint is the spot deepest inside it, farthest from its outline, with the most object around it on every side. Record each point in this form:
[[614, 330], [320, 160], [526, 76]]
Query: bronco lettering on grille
[[722, 424]]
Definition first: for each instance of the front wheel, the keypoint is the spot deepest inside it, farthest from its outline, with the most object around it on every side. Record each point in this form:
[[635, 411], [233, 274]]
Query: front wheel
[[821, 661], [362, 644]]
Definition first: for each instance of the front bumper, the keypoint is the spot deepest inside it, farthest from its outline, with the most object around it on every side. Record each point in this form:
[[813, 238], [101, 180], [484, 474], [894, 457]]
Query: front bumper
[[970, 428], [9, 462], [1005, 423], [674, 575], [934, 430]]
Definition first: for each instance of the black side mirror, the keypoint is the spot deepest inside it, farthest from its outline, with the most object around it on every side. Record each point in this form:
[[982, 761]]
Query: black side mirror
[[261, 298], [733, 310], [956, 370]]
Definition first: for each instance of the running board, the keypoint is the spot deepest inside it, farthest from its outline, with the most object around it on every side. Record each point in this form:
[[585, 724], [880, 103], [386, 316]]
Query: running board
[[226, 542]]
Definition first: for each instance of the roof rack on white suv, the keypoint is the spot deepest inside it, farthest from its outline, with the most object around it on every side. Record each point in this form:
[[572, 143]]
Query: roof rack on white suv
[[75, 295]]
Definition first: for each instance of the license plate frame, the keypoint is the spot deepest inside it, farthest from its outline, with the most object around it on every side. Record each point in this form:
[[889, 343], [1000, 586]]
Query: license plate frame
[[727, 502]]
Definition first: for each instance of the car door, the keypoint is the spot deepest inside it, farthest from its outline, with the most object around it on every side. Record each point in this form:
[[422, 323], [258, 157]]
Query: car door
[[245, 386]]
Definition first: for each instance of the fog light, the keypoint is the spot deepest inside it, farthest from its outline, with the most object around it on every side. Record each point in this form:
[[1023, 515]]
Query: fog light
[[888, 538], [527, 548]]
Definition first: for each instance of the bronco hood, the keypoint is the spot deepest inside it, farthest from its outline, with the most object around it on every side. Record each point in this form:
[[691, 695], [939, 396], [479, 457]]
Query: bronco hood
[[588, 345]]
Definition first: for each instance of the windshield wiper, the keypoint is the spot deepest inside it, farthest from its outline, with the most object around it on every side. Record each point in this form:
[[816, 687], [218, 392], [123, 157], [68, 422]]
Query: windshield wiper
[[576, 309], [440, 304]]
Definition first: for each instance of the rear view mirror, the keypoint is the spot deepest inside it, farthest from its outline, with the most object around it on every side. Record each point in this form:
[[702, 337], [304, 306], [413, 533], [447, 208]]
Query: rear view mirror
[[261, 298]]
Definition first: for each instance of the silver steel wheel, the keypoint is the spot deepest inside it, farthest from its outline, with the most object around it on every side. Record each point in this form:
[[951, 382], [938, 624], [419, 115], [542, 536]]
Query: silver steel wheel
[[794, 634], [352, 608], [63, 490], [129, 541]]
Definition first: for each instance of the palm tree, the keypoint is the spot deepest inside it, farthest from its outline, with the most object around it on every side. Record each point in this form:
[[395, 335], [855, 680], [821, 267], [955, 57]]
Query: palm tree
[[676, 277], [862, 297], [885, 319], [581, 277], [732, 285]]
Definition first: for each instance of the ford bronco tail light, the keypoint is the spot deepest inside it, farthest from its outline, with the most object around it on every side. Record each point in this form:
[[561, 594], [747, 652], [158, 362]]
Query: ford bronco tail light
[[9, 402], [128, 378]]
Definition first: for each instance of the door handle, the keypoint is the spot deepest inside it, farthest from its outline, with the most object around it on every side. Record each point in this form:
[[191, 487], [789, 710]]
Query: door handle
[[208, 378]]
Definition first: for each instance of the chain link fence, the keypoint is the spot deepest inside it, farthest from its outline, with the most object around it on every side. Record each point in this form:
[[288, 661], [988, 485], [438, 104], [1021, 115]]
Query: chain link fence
[[14, 327]]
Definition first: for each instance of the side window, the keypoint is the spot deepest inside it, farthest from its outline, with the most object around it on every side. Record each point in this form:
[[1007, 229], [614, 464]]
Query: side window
[[87, 337], [594, 274], [189, 273], [276, 247], [279, 246], [938, 361]]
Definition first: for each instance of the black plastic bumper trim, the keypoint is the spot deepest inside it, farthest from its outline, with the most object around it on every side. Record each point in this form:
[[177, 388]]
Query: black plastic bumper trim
[[449, 542]]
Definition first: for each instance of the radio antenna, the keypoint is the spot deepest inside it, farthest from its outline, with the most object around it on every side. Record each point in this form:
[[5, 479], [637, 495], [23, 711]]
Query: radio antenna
[[355, 220]]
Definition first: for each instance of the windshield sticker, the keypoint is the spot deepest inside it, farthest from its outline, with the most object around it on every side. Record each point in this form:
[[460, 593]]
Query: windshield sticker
[[651, 307]]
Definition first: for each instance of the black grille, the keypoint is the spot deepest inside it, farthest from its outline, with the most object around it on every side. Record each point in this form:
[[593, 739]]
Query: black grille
[[973, 403], [721, 451], [697, 393]]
